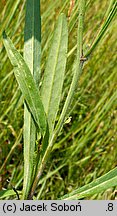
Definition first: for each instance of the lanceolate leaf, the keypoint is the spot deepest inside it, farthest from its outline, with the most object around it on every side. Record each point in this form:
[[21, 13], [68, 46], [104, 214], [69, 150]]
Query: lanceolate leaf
[[26, 84], [52, 87], [32, 38], [77, 70], [99, 185], [32, 56], [54, 72]]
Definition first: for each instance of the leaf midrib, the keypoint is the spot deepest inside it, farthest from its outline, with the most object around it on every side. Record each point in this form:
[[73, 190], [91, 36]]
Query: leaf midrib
[[55, 67], [17, 68]]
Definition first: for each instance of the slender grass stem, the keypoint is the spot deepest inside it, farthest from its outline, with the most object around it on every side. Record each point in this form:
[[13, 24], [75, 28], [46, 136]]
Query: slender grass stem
[[110, 14]]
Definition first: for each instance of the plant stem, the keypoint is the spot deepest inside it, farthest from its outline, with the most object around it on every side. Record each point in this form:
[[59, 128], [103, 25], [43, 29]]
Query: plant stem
[[77, 69]]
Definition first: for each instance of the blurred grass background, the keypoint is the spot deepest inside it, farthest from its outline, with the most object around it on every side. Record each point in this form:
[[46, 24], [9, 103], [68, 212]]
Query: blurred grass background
[[87, 146]]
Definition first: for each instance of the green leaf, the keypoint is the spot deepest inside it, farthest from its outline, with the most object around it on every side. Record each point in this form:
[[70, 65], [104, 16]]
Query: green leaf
[[26, 84], [77, 70], [7, 20], [54, 71], [52, 87], [29, 149], [8, 193], [101, 184], [32, 56], [32, 38], [110, 14]]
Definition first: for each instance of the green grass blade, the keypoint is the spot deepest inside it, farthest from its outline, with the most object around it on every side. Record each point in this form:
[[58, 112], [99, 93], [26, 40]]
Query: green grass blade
[[112, 10], [26, 84], [101, 184], [8, 193], [12, 150], [54, 72], [10, 15], [32, 56]]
